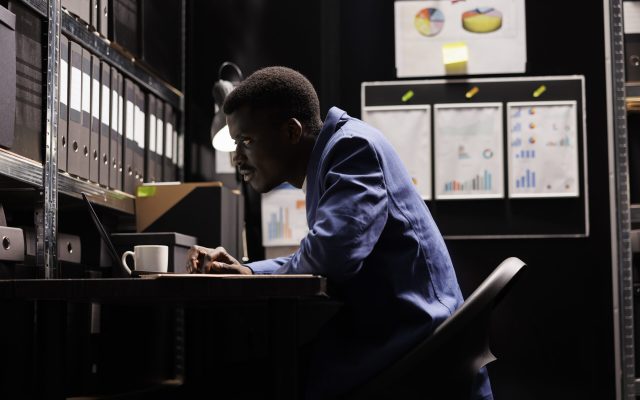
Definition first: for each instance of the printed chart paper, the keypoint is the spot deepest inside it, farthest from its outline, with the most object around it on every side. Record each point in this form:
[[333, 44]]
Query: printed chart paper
[[408, 129], [284, 219], [493, 32], [543, 149], [468, 151]]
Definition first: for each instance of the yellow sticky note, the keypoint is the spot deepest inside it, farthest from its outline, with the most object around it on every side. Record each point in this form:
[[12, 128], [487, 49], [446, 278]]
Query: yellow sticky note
[[455, 56], [541, 89], [407, 96]]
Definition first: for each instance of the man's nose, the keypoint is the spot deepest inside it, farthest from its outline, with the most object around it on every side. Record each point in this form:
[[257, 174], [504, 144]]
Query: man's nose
[[238, 157]]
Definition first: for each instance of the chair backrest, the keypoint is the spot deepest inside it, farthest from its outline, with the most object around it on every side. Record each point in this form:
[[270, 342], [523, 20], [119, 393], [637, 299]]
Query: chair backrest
[[444, 365]]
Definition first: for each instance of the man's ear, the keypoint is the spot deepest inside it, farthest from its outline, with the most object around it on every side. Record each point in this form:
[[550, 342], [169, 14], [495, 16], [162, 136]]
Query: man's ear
[[294, 130]]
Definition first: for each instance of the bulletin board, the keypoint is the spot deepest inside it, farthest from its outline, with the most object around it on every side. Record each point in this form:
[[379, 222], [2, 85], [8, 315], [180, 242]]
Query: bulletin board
[[505, 156]]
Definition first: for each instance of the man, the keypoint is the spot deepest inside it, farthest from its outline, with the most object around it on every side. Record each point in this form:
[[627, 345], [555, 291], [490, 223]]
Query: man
[[370, 233]]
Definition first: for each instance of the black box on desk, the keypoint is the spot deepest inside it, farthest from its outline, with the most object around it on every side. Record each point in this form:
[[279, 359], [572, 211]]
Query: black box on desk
[[178, 244], [8, 76], [207, 210]]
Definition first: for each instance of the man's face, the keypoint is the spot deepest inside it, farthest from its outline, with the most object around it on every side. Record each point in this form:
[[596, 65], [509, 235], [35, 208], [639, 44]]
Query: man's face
[[263, 147]]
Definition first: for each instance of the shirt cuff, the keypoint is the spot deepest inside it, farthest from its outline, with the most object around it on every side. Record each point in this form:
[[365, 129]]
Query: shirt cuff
[[265, 267]]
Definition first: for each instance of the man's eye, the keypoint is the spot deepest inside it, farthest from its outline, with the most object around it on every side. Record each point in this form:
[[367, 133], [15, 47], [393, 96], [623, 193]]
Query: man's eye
[[247, 141]]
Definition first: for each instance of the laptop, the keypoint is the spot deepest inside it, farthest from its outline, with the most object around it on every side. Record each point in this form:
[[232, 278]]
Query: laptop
[[107, 240]]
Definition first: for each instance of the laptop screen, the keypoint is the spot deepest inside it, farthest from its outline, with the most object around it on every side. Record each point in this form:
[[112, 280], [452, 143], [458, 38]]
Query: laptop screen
[[103, 234]]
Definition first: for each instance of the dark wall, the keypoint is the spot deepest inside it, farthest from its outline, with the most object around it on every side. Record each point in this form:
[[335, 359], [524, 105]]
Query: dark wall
[[554, 333]]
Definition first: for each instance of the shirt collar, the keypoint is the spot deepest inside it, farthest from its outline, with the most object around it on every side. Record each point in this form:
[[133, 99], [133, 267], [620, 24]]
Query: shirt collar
[[329, 126], [304, 185]]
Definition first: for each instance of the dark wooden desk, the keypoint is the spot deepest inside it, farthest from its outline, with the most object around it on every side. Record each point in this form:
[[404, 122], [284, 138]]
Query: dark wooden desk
[[281, 292]]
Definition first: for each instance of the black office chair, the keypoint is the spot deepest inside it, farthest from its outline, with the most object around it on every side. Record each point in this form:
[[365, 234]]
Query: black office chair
[[444, 365]]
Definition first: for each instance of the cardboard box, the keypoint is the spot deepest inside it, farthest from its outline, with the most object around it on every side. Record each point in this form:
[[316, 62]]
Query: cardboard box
[[178, 243], [208, 211]]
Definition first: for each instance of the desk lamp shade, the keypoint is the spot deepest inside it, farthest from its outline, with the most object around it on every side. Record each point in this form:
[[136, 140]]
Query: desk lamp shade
[[220, 137]]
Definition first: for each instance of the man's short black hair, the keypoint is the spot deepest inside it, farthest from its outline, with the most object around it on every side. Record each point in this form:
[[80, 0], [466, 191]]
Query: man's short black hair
[[285, 91]]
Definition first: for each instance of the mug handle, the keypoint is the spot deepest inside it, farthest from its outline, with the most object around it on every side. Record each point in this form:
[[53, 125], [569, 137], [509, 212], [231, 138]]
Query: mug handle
[[124, 260]]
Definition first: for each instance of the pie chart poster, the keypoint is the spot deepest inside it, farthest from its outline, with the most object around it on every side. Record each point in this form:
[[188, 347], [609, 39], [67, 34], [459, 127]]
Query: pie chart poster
[[493, 32]]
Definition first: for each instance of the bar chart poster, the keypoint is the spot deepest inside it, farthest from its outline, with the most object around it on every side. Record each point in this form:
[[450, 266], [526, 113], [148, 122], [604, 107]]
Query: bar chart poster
[[543, 149], [468, 151], [408, 129], [284, 219]]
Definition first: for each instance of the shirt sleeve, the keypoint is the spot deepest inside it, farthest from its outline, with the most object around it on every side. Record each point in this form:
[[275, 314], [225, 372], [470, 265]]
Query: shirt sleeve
[[351, 213], [266, 267]]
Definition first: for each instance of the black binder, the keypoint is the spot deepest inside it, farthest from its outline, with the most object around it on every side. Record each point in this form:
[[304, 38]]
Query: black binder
[[8, 77], [129, 132], [105, 117], [78, 152], [150, 154], [120, 131], [180, 156], [114, 145], [95, 14], [169, 147], [94, 143], [632, 57], [176, 147], [79, 8], [160, 140], [63, 112], [75, 109], [30, 94], [103, 17], [139, 143], [124, 24]]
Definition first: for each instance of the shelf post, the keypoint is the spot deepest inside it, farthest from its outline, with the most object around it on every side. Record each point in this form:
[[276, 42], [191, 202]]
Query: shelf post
[[622, 274], [46, 251]]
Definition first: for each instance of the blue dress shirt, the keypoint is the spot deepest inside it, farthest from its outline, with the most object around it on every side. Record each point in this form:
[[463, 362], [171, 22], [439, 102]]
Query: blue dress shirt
[[372, 236]]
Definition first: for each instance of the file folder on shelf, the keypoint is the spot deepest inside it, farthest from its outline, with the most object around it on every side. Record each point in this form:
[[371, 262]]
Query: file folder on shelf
[[103, 17], [150, 140], [169, 166], [114, 145], [8, 77], [129, 122], [13, 244], [83, 148], [160, 140], [69, 248], [180, 157], [79, 8], [139, 145], [63, 111], [95, 14], [120, 130], [78, 147], [105, 117], [30, 95], [124, 24], [94, 143], [75, 107]]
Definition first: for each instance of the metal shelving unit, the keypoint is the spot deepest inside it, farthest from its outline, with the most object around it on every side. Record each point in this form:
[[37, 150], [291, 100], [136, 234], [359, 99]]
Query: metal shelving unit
[[39, 6], [44, 177]]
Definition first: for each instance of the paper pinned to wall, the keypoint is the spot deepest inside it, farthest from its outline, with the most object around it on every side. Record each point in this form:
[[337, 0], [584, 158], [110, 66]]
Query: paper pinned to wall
[[493, 30], [284, 217], [408, 129], [468, 151], [543, 149]]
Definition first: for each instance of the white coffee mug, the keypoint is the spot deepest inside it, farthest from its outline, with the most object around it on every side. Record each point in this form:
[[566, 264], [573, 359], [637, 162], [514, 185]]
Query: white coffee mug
[[147, 258]]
